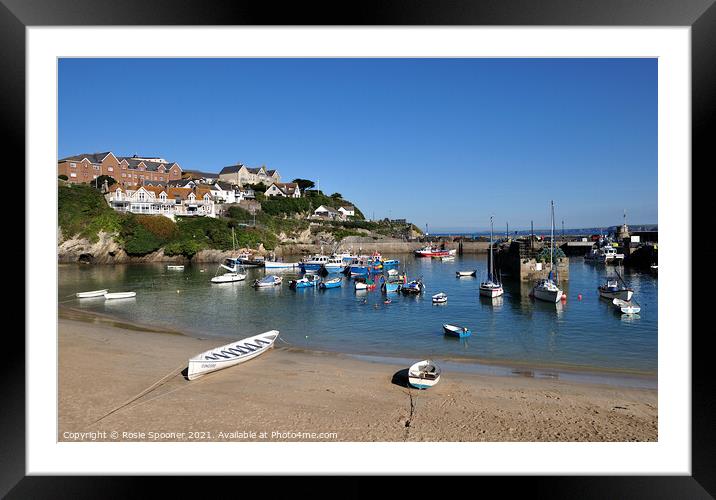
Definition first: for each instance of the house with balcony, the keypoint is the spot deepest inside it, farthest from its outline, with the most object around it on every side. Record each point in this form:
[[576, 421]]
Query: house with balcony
[[162, 200]]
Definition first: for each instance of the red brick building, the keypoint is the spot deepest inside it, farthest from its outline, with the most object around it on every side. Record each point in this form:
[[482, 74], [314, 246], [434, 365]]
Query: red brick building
[[128, 171]]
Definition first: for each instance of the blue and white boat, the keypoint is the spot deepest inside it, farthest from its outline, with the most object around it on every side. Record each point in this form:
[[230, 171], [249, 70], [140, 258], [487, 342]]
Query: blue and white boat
[[413, 287], [308, 281], [457, 331], [424, 374], [390, 263], [313, 263], [331, 283], [335, 264]]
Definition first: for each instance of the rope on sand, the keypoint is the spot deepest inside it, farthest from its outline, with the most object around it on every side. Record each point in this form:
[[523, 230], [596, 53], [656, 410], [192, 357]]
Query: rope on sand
[[149, 389]]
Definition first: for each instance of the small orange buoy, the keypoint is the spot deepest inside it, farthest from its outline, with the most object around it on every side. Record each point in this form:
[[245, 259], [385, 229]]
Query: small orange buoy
[[564, 298]]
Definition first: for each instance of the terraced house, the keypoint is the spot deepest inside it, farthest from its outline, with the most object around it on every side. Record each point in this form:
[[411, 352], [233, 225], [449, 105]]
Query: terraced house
[[128, 171], [162, 200], [241, 175]]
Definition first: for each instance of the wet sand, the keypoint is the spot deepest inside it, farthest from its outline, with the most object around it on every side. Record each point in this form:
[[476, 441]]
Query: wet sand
[[104, 363]]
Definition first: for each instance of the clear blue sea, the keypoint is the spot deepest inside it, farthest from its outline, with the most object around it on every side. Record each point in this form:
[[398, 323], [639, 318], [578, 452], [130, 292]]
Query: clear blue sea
[[515, 330]]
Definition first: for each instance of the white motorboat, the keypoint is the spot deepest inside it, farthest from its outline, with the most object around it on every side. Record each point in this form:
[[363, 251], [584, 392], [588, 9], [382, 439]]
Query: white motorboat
[[120, 295], [465, 274], [424, 374], [612, 289], [175, 267], [604, 255], [92, 294], [491, 287], [270, 280], [228, 278], [626, 307], [547, 289], [272, 264], [230, 354], [440, 298]]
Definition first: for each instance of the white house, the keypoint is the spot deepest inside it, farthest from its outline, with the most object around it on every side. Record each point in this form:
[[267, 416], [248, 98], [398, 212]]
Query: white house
[[347, 211], [326, 212], [160, 200], [284, 189]]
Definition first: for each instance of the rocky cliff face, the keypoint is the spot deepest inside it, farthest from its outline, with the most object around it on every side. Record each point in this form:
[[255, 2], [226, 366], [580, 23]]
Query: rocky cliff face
[[105, 251]]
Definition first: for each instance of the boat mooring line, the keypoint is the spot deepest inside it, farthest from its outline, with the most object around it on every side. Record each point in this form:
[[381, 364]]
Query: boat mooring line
[[149, 389]]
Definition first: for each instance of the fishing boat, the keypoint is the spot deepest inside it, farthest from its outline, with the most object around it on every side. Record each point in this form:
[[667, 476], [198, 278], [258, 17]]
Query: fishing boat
[[547, 289], [275, 264], [612, 289], [456, 331], [465, 274], [335, 264], [313, 262], [389, 263], [331, 283], [424, 374], [228, 278], [307, 281], [439, 298], [175, 268], [270, 280], [120, 295], [393, 272], [92, 294], [430, 251], [391, 286], [359, 267], [230, 354], [626, 307], [604, 255], [413, 287], [491, 287], [247, 259]]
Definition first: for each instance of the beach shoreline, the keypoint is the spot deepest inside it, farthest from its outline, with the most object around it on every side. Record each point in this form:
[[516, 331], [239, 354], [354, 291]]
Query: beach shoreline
[[293, 394]]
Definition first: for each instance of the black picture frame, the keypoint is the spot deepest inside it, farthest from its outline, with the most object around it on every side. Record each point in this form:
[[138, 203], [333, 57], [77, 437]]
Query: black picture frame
[[700, 15]]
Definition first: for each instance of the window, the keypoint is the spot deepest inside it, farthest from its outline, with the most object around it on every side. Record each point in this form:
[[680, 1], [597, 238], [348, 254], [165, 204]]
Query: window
[[110, 169], [141, 196], [73, 174], [124, 175], [96, 167], [73, 165]]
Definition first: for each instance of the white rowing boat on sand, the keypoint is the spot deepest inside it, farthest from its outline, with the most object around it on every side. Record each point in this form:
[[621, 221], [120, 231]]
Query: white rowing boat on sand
[[120, 295], [230, 354], [424, 374], [93, 293]]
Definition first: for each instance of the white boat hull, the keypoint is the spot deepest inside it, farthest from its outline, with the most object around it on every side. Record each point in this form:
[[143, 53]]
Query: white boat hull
[[228, 278], [175, 268], [491, 292], [120, 295], [230, 354], [626, 307], [280, 265], [92, 294], [547, 295]]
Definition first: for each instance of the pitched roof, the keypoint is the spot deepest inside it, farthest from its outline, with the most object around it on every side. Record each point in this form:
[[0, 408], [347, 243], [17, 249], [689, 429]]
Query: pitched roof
[[157, 190], [201, 190], [93, 157], [231, 169], [180, 183], [326, 209], [347, 207], [226, 186], [178, 192]]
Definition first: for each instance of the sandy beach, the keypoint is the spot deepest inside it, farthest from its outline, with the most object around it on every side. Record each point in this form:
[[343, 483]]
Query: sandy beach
[[289, 394]]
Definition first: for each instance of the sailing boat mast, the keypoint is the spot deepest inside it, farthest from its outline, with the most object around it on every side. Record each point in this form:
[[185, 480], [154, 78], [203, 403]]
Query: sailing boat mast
[[492, 262], [551, 241]]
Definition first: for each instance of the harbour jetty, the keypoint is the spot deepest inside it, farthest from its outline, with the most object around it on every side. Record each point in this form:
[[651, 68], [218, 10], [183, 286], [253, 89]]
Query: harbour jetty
[[526, 261]]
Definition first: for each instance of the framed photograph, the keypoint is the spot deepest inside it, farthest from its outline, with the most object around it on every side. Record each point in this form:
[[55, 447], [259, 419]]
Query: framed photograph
[[423, 243]]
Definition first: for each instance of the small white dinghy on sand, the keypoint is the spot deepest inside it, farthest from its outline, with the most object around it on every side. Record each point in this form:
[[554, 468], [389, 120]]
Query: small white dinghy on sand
[[230, 354], [120, 295], [92, 294], [424, 374]]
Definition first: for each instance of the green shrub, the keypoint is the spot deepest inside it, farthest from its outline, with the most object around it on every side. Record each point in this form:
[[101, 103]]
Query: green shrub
[[83, 211], [136, 239], [63, 177]]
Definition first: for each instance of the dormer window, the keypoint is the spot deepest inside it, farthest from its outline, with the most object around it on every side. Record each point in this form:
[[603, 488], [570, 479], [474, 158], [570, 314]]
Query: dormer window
[[141, 196]]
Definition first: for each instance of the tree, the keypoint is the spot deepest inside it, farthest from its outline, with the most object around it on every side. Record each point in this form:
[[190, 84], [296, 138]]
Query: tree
[[337, 196], [99, 181], [304, 184]]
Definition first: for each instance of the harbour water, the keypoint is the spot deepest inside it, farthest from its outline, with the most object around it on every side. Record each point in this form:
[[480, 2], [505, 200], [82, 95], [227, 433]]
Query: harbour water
[[512, 330]]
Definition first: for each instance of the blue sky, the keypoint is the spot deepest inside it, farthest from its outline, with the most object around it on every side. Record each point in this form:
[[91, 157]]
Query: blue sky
[[443, 142]]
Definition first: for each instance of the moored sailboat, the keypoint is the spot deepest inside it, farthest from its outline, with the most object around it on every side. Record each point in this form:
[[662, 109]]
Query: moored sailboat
[[547, 289], [491, 287]]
